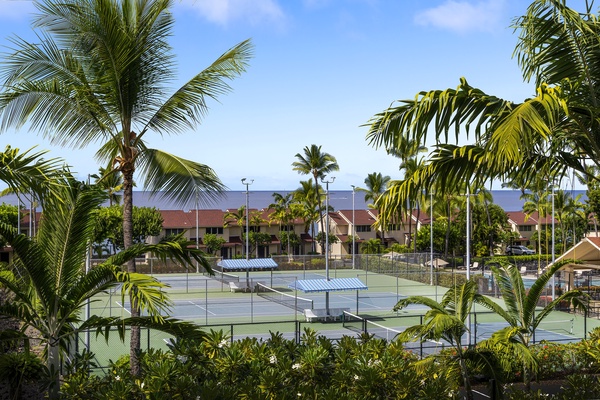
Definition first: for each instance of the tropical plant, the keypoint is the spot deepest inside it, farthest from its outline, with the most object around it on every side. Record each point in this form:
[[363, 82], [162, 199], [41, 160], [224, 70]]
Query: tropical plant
[[111, 182], [51, 286], [318, 164], [448, 320], [554, 130], [107, 68], [213, 243], [522, 314], [375, 186], [371, 246], [306, 197]]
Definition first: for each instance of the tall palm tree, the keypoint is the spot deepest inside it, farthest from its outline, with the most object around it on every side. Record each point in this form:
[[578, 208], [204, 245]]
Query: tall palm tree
[[375, 186], [239, 217], [51, 286], [318, 164], [107, 69], [522, 313], [306, 196], [283, 212], [448, 320], [554, 130]]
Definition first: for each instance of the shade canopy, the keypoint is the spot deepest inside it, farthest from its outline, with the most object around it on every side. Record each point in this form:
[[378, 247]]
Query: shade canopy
[[324, 285], [438, 262], [393, 255], [244, 265]]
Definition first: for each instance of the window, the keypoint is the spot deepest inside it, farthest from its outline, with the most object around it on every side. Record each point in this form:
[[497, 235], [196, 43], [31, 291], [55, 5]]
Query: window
[[363, 228], [215, 230], [253, 229], [525, 228], [173, 232], [394, 227], [287, 228]]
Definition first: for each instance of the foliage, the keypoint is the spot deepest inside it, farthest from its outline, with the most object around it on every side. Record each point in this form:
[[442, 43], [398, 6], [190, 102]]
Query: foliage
[[9, 215], [21, 369], [213, 243], [147, 221], [489, 227], [371, 246], [51, 287], [522, 315], [440, 228]]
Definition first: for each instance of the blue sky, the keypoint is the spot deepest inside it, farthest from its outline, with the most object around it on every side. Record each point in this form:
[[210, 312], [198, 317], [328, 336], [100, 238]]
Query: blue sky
[[321, 69]]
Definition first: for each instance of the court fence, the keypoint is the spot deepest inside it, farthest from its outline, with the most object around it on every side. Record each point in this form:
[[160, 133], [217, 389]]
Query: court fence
[[483, 324]]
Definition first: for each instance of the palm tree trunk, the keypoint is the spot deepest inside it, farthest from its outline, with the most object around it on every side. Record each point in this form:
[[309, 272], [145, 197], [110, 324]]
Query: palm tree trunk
[[320, 214], [135, 343], [53, 368]]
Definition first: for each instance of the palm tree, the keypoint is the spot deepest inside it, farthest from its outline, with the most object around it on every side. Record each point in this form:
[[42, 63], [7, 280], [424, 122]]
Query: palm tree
[[239, 217], [522, 313], [282, 213], [376, 185], [106, 70], [447, 320], [318, 164], [306, 196], [51, 286], [554, 130], [111, 182]]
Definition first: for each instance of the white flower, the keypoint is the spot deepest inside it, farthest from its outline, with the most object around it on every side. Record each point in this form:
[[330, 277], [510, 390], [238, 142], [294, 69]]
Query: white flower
[[182, 359], [296, 366], [273, 359], [223, 343], [117, 378], [299, 394], [356, 377]]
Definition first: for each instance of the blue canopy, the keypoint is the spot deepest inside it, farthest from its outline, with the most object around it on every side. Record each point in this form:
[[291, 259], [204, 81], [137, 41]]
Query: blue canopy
[[324, 285], [244, 265]]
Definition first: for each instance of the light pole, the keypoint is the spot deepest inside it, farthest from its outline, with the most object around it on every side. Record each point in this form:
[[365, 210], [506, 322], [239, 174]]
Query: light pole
[[197, 231], [553, 252], [327, 236], [353, 227], [247, 182], [431, 237], [468, 256]]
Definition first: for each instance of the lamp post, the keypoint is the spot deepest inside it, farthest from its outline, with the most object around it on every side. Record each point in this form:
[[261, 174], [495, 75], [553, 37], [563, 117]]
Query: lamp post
[[197, 231], [353, 227], [247, 182], [327, 236], [431, 237], [553, 252], [468, 255]]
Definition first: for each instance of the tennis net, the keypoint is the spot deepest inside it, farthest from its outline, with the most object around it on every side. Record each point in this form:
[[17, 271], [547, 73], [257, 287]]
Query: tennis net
[[285, 299]]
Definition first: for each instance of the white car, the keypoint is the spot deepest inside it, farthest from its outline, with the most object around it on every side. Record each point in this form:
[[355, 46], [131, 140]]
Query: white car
[[518, 250]]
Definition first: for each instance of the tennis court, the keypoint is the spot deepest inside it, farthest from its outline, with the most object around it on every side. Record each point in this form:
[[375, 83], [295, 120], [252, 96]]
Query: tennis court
[[209, 302]]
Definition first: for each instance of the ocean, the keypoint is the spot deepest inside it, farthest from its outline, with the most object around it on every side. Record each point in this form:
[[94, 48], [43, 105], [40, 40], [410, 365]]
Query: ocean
[[509, 200]]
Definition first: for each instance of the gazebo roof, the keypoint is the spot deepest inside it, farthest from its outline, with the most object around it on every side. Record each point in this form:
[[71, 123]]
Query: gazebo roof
[[331, 285], [243, 265], [587, 251]]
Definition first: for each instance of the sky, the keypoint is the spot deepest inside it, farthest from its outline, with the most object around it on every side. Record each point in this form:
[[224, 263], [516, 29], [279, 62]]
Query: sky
[[321, 70]]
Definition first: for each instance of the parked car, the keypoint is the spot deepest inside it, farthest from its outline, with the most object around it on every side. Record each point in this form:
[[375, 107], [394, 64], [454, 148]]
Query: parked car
[[518, 250]]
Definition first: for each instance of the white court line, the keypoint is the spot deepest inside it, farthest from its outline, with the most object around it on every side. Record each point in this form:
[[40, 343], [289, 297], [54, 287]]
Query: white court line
[[123, 307], [202, 308], [360, 302]]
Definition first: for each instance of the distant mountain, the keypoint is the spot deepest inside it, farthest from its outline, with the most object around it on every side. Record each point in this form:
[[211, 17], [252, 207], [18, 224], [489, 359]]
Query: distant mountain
[[509, 200]]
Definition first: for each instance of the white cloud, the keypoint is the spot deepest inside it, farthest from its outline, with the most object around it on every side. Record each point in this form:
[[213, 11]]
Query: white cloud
[[224, 12], [464, 16], [15, 10]]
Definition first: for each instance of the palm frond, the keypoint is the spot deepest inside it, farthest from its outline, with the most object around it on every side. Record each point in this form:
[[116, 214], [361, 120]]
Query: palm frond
[[178, 179], [187, 106]]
